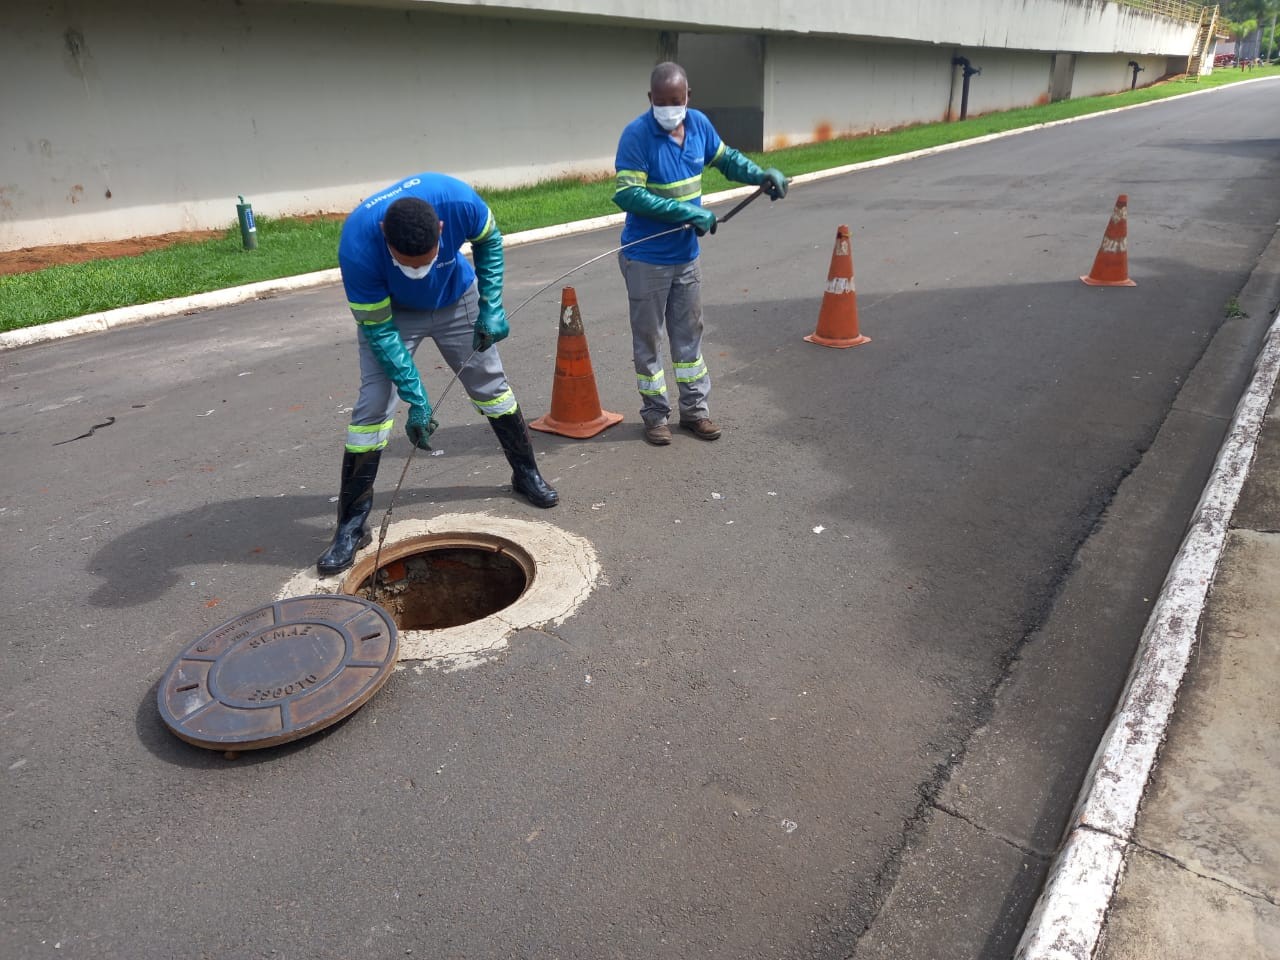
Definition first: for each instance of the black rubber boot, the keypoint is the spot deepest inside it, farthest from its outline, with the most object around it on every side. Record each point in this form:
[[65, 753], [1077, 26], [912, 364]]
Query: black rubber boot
[[355, 500], [518, 446]]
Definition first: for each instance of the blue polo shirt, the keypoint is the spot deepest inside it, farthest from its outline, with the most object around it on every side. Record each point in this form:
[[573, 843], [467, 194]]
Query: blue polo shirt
[[648, 157], [374, 284]]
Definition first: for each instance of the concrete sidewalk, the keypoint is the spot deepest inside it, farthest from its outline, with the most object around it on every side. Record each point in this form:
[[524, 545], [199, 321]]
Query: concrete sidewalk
[[1174, 847], [1202, 871]]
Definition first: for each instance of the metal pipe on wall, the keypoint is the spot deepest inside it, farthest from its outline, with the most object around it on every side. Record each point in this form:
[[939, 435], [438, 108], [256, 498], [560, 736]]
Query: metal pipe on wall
[[969, 71]]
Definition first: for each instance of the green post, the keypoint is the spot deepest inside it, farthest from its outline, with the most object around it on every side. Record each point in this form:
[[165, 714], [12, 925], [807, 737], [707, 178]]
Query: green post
[[248, 230]]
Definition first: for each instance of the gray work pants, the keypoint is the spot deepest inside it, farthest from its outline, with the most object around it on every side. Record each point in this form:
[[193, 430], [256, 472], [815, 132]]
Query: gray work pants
[[451, 328], [667, 296]]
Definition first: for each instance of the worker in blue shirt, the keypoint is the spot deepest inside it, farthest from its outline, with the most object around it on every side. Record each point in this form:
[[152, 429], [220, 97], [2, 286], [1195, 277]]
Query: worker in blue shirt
[[405, 280], [661, 156]]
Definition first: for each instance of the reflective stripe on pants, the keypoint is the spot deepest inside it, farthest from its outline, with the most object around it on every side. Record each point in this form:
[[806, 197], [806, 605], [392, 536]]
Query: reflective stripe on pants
[[667, 297], [451, 328]]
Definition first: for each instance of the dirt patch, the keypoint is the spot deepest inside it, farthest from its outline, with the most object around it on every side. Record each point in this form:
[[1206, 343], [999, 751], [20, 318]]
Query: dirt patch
[[29, 259], [448, 587]]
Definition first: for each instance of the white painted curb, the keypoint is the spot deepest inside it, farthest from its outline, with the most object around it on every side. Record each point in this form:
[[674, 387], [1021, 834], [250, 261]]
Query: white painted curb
[[142, 312], [1069, 916], [128, 316]]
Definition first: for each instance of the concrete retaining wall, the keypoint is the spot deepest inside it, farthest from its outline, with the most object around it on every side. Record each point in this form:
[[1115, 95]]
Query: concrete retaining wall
[[146, 117], [142, 116], [816, 89], [1110, 73], [1083, 26]]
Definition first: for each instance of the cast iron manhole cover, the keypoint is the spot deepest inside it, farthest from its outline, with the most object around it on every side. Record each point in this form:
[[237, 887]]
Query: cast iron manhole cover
[[280, 672]]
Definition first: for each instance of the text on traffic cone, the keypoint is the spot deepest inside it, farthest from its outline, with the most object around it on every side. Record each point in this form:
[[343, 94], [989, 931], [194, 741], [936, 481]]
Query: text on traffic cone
[[1111, 265], [838, 316]]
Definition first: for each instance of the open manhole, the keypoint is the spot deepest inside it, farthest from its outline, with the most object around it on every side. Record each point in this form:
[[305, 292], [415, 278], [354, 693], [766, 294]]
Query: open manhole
[[442, 580], [462, 584]]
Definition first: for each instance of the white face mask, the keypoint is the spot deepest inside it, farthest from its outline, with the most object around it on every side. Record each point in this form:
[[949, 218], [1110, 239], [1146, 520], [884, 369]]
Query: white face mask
[[415, 273], [669, 117]]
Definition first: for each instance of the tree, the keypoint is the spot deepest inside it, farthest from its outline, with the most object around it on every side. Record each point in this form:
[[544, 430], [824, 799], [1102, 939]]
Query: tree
[[1241, 18], [1238, 11]]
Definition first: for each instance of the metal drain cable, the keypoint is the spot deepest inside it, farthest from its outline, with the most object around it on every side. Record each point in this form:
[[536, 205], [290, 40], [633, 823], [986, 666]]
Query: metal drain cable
[[386, 517], [413, 449]]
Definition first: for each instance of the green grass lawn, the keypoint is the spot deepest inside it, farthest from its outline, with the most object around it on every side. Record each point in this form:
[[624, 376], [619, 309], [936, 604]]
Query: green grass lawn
[[288, 247]]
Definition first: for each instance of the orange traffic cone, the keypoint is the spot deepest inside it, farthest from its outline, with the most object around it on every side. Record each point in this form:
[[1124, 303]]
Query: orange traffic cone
[[1111, 265], [838, 317], [575, 403]]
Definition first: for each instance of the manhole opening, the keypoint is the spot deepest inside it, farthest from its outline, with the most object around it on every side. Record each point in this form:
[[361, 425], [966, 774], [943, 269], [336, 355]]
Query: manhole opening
[[441, 581]]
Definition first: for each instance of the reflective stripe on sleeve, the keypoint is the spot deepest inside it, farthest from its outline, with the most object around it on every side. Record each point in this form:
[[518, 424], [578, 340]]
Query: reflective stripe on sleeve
[[367, 314], [489, 227], [680, 190], [501, 405], [361, 437], [689, 372], [630, 178], [719, 152], [652, 385]]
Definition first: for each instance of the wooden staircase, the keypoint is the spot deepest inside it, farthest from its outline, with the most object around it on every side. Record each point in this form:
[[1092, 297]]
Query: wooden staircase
[[1203, 42]]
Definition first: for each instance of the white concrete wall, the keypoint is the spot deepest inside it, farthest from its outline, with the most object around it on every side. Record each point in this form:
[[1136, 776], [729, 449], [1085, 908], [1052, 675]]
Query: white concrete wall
[[817, 89], [1111, 73], [168, 110], [1085, 26], [1009, 79], [148, 116]]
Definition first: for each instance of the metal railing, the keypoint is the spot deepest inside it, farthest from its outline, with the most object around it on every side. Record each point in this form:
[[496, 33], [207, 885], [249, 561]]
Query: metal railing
[[1177, 9]]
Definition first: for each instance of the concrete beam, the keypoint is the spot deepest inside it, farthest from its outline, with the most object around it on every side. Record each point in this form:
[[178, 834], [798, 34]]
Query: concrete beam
[[1081, 26]]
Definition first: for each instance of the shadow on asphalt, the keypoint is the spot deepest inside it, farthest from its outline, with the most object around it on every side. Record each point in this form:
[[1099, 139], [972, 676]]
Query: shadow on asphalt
[[976, 442], [165, 745], [1257, 147], [144, 563]]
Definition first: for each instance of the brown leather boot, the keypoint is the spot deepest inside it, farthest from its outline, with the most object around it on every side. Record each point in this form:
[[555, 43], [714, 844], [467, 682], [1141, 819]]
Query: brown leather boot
[[704, 428]]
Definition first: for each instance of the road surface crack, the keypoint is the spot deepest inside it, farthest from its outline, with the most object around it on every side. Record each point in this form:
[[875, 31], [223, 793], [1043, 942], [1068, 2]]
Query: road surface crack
[[1182, 865], [1024, 850]]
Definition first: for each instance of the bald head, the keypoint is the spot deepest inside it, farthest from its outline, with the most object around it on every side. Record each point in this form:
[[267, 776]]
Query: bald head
[[668, 85]]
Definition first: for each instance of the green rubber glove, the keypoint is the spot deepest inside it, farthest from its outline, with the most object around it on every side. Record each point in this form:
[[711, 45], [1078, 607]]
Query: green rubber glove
[[704, 221], [420, 426], [645, 203], [775, 184], [394, 357], [736, 166], [491, 325]]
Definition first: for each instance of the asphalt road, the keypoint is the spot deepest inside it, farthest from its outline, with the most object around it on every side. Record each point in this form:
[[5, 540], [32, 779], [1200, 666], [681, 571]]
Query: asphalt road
[[758, 765]]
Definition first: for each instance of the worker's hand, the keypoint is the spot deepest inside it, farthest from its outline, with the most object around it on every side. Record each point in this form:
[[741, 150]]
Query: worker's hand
[[775, 184], [703, 221], [491, 327], [420, 426]]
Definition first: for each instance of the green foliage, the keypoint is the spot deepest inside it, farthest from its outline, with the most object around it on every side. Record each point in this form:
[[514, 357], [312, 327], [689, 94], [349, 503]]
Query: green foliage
[[1239, 10], [285, 248]]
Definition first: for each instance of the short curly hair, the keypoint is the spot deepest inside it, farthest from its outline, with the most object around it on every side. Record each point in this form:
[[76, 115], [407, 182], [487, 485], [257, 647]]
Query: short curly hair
[[411, 226]]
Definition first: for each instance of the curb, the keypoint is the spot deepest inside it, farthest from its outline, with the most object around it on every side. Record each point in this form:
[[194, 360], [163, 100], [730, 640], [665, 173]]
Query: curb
[[1069, 916], [141, 313]]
